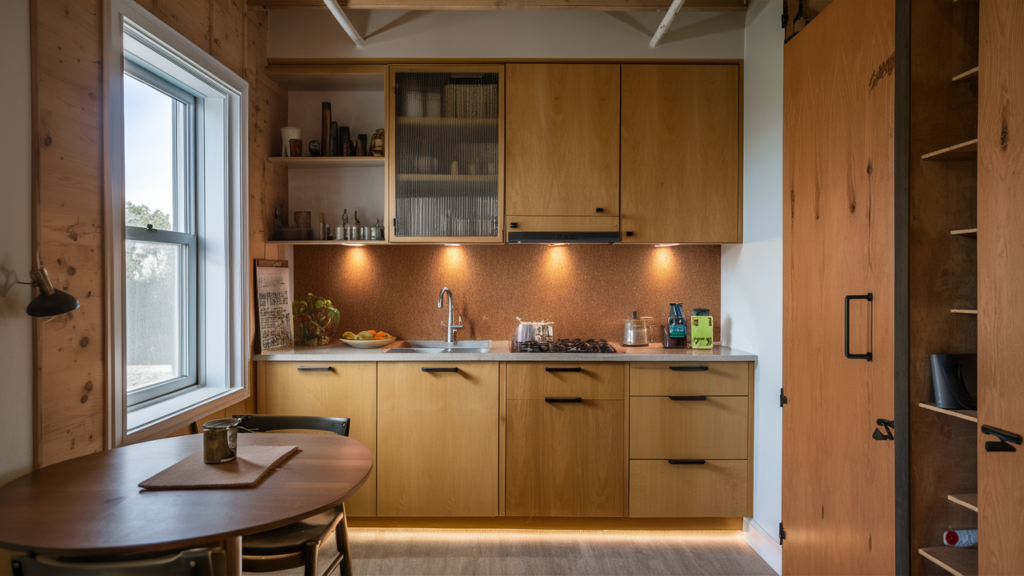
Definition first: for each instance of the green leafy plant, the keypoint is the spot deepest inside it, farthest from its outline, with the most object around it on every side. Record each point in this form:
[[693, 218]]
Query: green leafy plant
[[316, 320]]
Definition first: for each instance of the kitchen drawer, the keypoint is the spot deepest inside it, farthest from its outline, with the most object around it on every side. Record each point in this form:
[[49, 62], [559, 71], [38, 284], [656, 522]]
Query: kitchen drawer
[[716, 488], [661, 428], [589, 380], [688, 378]]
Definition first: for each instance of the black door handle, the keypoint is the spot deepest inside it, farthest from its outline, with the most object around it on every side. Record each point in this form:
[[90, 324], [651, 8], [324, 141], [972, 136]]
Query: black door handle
[[429, 369], [688, 368], [316, 368], [688, 398], [567, 400], [846, 330], [1004, 439], [564, 369], [600, 210], [889, 427], [678, 462]]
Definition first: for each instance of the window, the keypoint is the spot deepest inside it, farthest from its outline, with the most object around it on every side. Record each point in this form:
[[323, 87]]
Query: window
[[176, 228]]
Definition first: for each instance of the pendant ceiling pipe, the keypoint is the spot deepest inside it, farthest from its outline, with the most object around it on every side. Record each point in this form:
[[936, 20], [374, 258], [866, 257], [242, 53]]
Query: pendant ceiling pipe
[[342, 19], [674, 9]]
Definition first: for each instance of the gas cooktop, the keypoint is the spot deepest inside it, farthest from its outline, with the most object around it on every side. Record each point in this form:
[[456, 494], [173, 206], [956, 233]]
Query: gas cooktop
[[565, 345]]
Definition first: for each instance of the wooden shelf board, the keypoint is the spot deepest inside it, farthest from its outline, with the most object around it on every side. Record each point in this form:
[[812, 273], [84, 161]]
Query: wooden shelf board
[[969, 415], [448, 177], [963, 151], [964, 311], [328, 162], [957, 561], [329, 77], [328, 242], [969, 501], [968, 76], [968, 232]]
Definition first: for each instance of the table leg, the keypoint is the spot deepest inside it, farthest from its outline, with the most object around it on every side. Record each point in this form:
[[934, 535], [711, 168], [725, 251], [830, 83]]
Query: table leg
[[233, 552]]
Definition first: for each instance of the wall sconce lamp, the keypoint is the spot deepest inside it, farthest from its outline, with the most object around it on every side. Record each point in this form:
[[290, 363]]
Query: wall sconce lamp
[[50, 301]]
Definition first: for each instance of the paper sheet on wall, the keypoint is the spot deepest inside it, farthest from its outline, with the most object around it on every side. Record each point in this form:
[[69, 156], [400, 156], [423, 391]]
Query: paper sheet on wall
[[273, 293]]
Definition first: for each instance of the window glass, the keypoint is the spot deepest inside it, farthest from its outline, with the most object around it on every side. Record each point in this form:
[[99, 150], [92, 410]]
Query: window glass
[[153, 319], [149, 157]]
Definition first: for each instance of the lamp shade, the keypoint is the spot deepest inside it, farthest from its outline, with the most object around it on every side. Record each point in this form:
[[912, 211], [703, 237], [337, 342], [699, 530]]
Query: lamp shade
[[46, 305]]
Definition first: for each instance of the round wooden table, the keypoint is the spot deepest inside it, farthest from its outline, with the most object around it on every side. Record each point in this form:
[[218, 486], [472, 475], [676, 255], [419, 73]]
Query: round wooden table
[[93, 506]]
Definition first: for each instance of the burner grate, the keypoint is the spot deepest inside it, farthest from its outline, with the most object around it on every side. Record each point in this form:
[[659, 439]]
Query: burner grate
[[578, 346]]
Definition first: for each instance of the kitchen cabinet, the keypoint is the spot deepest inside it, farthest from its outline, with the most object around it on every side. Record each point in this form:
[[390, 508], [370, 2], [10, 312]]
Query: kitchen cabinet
[[437, 434], [681, 154], [446, 144], [337, 389], [666, 488], [564, 440], [562, 146]]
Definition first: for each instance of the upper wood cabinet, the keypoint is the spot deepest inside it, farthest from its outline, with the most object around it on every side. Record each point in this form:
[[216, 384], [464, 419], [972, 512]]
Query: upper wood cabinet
[[562, 140], [681, 161]]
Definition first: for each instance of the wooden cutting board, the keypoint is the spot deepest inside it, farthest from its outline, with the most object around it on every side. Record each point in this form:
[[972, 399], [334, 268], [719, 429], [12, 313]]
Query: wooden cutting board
[[247, 470]]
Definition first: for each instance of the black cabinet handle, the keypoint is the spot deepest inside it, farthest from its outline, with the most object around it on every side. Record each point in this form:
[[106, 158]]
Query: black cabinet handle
[[1004, 439], [889, 426], [316, 368], [688, 398], [600, 210], [678, 462], [577, 369], [688, 368], [430, 369], [567, 400], [846, 330], [629, 233], [513, 224]]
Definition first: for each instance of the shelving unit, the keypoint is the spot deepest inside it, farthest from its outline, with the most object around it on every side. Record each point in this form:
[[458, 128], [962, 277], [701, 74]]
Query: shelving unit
[[969, 501], [962, 151], [968, 76], [963, 311], [956, 561], [329, 162], [969, 415], [967, 232]]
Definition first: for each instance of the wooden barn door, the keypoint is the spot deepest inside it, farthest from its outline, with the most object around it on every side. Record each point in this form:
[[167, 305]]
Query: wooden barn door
[[1001, 287], [838, 480]]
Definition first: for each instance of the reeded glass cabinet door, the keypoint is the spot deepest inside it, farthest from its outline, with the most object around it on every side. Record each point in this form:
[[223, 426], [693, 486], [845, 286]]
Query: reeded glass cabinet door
[[446, 172]]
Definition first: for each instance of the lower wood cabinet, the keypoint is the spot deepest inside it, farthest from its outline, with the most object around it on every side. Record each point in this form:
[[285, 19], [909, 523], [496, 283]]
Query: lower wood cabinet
[[338, 389], [689, 489], [437, 438], [688, 427]]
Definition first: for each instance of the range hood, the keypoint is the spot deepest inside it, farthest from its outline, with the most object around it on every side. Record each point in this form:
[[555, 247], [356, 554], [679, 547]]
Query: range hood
[[562, 229], [562, 237]]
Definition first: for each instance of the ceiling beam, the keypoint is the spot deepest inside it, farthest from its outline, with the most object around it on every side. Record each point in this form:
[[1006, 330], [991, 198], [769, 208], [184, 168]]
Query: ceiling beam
[[666, 22], [600, 5], [346, 24]]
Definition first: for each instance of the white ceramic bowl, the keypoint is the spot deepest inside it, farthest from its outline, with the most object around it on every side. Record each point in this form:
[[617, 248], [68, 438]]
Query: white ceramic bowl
[[368, 343]]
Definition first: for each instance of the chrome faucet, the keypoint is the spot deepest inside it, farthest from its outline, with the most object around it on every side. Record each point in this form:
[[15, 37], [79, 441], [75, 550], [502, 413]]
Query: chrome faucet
[[450, 326]]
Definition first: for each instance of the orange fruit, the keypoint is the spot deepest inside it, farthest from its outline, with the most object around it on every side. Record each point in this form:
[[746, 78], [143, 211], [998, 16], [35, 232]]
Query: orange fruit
[[373, 332]]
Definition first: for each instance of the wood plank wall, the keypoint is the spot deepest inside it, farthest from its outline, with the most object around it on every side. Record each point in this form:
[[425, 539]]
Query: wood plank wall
[[67, 40]]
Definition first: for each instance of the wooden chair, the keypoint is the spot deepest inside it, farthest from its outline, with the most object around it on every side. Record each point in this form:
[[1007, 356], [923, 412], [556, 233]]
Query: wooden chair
[[198, 562], [297, 544]]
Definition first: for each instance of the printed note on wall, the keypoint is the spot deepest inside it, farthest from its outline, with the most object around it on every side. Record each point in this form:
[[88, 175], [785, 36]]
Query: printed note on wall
[[273, 293]]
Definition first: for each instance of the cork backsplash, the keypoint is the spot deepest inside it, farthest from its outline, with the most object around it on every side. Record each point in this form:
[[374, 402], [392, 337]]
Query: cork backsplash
[[587, 290]]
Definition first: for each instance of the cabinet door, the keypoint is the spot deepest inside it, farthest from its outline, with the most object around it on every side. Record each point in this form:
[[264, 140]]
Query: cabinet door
[[562, 140], [565, 459], [681, 153], [438, 439], [1000, 306], [339, 389]]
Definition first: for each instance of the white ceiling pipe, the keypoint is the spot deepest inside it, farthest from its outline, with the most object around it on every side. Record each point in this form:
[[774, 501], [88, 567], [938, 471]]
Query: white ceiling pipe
[[342, 19], [665, 22]]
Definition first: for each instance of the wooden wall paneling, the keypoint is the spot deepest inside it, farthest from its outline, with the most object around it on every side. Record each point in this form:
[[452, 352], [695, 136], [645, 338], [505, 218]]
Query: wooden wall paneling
[[1000, 305], [838, 483], [227, 33], [188, 18], [942, 268]]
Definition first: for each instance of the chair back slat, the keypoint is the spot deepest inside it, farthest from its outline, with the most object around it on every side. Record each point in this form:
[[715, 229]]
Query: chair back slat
[[270, 423]]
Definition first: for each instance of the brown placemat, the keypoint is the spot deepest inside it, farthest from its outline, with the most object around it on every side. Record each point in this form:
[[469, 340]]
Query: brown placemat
[[245, 471]]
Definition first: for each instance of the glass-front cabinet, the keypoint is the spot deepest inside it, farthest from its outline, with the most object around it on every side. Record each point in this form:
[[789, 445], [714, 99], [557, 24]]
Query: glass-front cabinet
[[446, 169]]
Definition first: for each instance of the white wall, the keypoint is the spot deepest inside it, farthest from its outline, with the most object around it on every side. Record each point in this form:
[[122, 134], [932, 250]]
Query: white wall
[[15, 240], [752, 272], [505, 34]]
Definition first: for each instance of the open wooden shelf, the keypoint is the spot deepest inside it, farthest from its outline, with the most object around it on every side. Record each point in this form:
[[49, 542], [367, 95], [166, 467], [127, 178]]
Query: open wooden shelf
[[957, 561], [328, 242], [329, 77], [969, 415], [964, 311], [326, 162], [968, 76], [967, 232], [963, 151], [969, 501]]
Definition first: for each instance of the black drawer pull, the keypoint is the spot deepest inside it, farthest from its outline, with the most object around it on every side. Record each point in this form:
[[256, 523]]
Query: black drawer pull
[[430, 369], [1004, 439], [577, 369], [688, 368], [316, 368], [570, 400], [688, 398], [678, 462]]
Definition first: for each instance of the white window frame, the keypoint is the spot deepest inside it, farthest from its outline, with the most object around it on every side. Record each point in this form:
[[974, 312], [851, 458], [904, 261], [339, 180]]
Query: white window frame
[[221, 224]]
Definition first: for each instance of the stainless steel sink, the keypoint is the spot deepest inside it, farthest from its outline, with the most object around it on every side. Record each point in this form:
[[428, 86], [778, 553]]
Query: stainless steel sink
[[441, 347]]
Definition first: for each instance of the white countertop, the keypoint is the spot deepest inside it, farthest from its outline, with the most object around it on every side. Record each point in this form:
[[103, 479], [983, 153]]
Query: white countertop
[[501, 352]]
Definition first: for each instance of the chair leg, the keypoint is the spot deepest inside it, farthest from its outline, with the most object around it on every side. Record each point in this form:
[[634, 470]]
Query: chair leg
[[312, 550], [341, 539]]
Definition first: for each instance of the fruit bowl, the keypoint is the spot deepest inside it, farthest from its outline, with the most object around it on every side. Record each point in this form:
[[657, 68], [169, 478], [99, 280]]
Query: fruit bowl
[[369, 343]]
